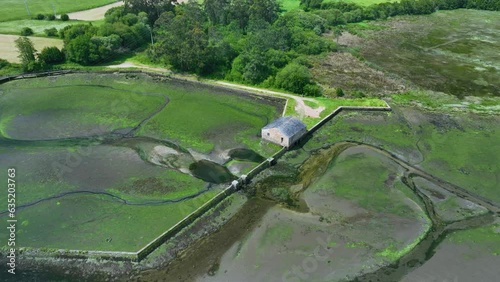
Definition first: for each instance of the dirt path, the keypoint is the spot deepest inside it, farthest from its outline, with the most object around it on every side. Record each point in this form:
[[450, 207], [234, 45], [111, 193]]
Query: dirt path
[[300, 107], [93, 14], [126, 65]]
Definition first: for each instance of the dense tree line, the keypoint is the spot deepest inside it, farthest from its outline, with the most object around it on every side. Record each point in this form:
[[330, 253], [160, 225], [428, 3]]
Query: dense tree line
[[31, 60], [242, 40], [86, 44]]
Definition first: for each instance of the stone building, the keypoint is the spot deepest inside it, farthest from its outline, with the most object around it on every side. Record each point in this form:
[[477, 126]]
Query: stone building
[[284, 131]]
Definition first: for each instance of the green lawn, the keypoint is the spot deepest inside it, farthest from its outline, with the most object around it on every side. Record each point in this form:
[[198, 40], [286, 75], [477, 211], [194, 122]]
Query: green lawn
[[16, 9], [14, 27], [330, 105]]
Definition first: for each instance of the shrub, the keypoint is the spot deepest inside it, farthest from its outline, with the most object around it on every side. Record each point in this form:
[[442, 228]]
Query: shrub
[[26, 31], [293, 77], [313, 90], [40, 17], [51, 55], [339, 92], [64, 17], [51, 32], [4, 63], [50, 17], [358, 94]]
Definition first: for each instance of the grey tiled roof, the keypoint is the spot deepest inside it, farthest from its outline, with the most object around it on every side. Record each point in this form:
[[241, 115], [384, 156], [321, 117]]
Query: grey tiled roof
[[288, 125]]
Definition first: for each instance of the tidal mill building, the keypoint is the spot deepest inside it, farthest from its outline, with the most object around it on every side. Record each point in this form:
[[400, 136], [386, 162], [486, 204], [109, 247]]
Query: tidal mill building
[[284, 131]]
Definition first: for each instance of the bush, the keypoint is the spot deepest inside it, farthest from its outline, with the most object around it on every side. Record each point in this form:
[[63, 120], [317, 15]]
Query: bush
[[51, 32], [339, 92], [293, 77], [40, 17], [358, 94], [313, 90], [50, 17], [26, 31], [64, 17], [4, 63], [51, 55]]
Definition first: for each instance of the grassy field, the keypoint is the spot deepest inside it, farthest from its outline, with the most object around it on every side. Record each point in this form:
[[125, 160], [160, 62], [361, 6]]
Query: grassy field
[[8, 49], [362, 2], [329, 104], [38, 27], [16, 9]]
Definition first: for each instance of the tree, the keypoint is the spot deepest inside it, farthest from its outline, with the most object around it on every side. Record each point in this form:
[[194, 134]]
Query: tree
[[4, 63], [154, 8], [310, 4], [64, 17], [26, 31], [27, 53], [339, 92], [183, 38], [294, 78], [217, 11], [267, 10], [51, 55], [51, 32]]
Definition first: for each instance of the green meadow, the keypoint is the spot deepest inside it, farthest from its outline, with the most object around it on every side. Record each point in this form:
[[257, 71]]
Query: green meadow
[[38, 27], [16, 9]]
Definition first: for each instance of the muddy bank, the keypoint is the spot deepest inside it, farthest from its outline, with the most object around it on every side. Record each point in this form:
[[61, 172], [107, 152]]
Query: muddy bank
[[203, 257]]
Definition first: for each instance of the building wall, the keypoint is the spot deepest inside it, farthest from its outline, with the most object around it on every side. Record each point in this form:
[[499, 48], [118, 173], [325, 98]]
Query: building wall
[[297, 136], [275, 136]]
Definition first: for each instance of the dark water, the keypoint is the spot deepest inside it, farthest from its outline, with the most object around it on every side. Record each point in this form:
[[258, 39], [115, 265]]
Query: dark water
[[35, 276], [211, 172]]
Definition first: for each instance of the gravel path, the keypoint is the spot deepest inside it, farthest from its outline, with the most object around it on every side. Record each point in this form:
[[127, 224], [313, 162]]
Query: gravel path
[[93, 14]]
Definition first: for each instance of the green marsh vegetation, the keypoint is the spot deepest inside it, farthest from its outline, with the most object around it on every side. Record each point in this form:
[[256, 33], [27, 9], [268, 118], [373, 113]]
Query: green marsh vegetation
[[114, 187]]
